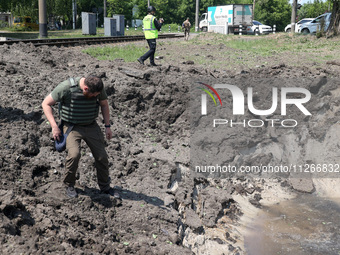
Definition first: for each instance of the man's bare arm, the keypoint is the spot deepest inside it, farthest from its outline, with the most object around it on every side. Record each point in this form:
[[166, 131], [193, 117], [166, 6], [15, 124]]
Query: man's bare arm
[[106, 115], [47, 108]]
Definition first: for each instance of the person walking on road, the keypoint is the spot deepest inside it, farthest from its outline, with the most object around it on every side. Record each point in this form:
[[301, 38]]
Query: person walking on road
[[151, 28], [186, 27], [80, 99]]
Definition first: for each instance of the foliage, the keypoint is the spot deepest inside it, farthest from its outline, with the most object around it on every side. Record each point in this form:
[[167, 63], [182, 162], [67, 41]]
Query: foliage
[[89, 5], [312, 10], [273, 12], [120, 7], [173, 28], [4, 6], [24, 8], [3, 24], [60, 9], [165, 9]]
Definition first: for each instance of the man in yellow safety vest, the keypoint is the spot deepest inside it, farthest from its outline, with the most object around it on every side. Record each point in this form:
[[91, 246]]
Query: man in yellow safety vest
[[151, 28]]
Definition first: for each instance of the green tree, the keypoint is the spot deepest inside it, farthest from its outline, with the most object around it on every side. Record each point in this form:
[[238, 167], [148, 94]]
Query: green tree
[[312, 10], [89, 5], [334, 26], [95, 6], [60, 10], [204, 4], [121, 8], [186, 9], [24, 8], [273, 12], [4, 6], [165, 9]]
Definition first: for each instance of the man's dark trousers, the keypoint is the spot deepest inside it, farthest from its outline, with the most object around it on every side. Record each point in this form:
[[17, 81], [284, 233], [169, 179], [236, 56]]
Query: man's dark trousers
[[151, 53]]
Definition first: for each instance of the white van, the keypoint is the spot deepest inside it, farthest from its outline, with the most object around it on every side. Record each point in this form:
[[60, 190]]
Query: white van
[[315, 24]]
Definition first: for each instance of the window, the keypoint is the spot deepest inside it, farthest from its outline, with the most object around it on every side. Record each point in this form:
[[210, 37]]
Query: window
[[256, 23], [303, 21], [17, 20]]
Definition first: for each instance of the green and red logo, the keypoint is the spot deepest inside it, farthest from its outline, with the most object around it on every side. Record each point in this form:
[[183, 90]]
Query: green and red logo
[[204, 97]]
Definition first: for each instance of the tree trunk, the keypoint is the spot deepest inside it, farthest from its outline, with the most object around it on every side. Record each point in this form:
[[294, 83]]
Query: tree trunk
[[293, 17], [334, 25], [105, 12]]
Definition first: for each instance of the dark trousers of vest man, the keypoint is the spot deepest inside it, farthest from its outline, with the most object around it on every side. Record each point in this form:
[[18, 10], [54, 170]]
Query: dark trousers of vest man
[[94, 138], [151, 53]]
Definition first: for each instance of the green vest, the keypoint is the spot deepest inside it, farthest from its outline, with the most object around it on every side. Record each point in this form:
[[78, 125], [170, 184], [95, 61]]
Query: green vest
[[78, 109], [150, 31]]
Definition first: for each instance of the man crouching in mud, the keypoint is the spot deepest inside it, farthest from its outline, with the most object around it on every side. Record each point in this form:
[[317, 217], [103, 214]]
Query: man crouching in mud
[[80, 99]]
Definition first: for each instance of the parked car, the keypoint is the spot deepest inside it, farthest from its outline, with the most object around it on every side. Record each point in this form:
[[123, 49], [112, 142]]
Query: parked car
[[263, 29], [315, 24], [25, 22], [297, 25]]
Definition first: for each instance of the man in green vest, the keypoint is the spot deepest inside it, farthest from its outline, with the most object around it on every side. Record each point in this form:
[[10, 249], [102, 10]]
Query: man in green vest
[[80, 99], [151, 28]]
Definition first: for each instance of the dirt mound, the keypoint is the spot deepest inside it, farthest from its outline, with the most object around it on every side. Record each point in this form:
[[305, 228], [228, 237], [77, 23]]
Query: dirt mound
[[164, 210]]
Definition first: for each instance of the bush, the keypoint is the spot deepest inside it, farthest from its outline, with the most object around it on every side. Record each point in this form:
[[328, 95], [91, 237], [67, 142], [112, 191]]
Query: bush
[[3, 24], [321, 31], [173, 28]]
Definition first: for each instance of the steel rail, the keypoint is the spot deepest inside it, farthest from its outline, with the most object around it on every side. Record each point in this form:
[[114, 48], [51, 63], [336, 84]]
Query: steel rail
[[85, 40]]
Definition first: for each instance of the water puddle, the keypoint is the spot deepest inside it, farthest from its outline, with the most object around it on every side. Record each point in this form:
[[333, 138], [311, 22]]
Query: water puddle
[[307, 225]]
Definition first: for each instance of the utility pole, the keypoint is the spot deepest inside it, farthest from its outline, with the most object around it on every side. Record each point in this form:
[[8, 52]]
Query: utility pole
[[74, 13], [196, 15], [254, 9], [42, 19], [293, 18], [148, 3], [105, 14]]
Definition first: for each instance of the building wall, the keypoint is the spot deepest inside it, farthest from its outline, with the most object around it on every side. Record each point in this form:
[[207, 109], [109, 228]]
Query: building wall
[[6, 17]]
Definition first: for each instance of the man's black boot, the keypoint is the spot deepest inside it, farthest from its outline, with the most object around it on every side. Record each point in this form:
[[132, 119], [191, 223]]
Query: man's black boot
[[140, 61]]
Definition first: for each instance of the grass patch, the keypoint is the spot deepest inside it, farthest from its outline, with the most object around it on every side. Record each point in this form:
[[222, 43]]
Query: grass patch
[[70, 33], [20, 35], [263, 46], [129, 53]]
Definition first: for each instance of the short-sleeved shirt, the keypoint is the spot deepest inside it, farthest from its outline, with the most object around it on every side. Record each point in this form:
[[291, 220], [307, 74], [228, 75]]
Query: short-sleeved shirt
[[186, 24]]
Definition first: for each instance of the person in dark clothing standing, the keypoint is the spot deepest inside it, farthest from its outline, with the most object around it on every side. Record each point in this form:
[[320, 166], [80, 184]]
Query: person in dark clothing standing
[[80, 100], [151, 28]]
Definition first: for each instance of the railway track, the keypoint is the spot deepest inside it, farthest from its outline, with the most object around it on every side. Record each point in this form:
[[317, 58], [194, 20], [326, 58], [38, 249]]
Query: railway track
[[86, 40]]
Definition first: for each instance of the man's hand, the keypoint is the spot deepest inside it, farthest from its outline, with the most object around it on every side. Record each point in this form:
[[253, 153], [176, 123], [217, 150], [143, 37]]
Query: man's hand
[[108, 133], [47, 107], [161, 20], [56, 133]]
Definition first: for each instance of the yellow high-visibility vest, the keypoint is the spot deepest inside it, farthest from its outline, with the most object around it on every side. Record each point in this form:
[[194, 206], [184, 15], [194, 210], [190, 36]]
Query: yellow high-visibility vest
[[150, 30]]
